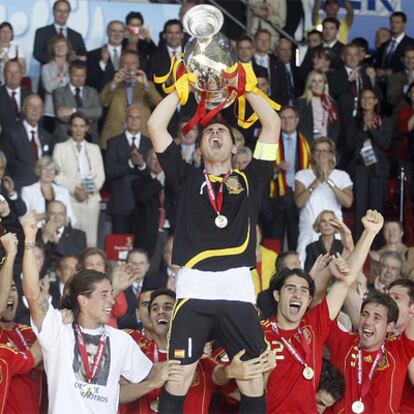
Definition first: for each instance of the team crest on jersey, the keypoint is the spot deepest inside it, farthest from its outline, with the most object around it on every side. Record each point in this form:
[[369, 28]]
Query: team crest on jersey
[[383, 363], [233, 185]]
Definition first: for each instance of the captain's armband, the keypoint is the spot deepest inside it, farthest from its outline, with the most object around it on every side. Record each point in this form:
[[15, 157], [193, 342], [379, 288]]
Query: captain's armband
[[265, 152]]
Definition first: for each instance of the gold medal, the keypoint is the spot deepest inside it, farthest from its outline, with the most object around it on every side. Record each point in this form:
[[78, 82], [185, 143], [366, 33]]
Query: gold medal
[[154, 405], [221, 221], [89, 389], [358, 407], [308, 373]]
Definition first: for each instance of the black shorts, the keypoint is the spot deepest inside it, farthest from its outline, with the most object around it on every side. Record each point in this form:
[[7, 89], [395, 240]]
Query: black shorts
[[196, 321]]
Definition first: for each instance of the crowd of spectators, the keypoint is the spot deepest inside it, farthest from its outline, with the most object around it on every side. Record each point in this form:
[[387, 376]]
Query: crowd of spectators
[[78, 149]]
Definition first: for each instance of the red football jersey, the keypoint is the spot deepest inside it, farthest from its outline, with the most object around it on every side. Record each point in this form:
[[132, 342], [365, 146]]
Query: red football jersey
[[407, 400], [287, 390], [198, 396], [12, 363], [384, 394], [28, 384]]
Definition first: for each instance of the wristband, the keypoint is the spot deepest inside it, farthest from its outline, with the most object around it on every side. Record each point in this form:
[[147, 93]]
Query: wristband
[[265, 152], [29, 245]]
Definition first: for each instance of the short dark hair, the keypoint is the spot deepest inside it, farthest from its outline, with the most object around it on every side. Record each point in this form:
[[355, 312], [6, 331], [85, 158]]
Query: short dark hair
[[7, 24], [90, 251], [243, 38], [399, 14], [324, 52], [408, 48], [138, 250], [333, 20], [172, 22], [314, 31], [406, 283], [134, 15], [382, 299], [78, 64], [61, 1], [332, 381], [262, 31], [80, 115], [161, 292], [217, 120], [82, 283], [361, 42], [63, 258], [280, 260], [278, 279], [143, 290], [261, 72]]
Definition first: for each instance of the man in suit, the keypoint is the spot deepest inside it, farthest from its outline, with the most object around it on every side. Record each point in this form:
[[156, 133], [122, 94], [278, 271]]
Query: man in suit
[[170, 45], [388, 58], [129, 86], [43, 35], [12, 95], [8, 191], [124, 159], [76, 97], [288, 77], [66, 268], [262, 57], [293, 154], [398, 83], [138, 259], [58, 237], [160, 59], [153, 211], [104, 61], [25, 143], [330, 29]]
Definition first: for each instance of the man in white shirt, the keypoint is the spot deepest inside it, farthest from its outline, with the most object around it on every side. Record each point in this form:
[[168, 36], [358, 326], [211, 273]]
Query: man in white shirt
[[85, 360]]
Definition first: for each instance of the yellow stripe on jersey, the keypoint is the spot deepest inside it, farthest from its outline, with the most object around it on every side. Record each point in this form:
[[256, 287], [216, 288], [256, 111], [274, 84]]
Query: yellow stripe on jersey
[[229, 251]]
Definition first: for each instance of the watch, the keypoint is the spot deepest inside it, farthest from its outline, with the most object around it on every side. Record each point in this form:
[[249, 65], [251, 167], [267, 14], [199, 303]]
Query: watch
[[330, 182]]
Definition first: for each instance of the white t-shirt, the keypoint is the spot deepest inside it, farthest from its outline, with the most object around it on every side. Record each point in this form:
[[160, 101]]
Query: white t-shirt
[[65, 374], [321, 198]]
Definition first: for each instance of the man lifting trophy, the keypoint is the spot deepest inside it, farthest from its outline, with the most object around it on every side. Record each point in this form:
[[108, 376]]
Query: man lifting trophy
[[215, 237]]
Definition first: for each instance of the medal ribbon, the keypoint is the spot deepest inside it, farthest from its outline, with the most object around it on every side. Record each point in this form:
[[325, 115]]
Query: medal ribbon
[[290, 347], [84, 355], [21, 337], [216, 202], [364, 388]]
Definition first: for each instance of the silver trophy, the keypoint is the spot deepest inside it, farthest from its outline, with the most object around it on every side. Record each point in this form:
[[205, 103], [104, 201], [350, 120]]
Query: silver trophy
[[210, 56]]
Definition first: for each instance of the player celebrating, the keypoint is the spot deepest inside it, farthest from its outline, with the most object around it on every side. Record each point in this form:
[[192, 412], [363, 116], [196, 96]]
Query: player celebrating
[[298, 336], [214, 243]]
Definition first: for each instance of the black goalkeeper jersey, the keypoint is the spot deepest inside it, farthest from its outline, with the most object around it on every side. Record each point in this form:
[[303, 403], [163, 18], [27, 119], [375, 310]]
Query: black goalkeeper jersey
[[198, 242]]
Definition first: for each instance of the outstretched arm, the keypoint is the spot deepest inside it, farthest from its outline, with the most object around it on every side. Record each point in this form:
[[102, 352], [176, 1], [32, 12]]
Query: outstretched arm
[[349, 18], [158, 122], [38, 303], [268, 117], [373, 222]]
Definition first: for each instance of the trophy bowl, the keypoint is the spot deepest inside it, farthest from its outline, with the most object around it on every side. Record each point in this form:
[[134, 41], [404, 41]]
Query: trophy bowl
[[209, 54]]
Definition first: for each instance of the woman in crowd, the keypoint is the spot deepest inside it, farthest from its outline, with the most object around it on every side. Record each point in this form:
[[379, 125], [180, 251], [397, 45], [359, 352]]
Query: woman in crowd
[[9, 49], [325, 225], [55, 74], [393, 235], [368, 138], [318, 114], [38, 195], [406, 121], [319, 188], [82, 173], [95, 259]]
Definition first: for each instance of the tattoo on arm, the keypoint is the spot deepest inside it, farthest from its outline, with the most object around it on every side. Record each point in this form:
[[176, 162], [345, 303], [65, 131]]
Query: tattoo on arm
[[43, 304]]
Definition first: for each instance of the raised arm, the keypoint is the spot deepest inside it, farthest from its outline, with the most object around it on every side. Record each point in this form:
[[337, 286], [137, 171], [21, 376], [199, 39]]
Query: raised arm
[[349, 18], [268, 117], [373, 222], [315, 12], [38, 303], [158, 122], [9, 242]]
